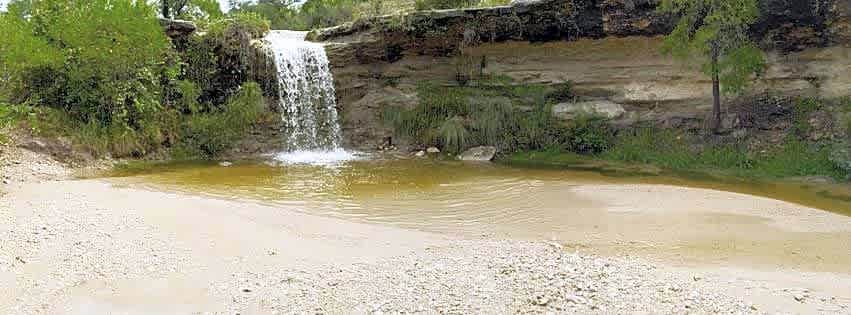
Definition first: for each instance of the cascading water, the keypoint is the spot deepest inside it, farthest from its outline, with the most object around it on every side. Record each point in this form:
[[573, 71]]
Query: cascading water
[[307, 100]]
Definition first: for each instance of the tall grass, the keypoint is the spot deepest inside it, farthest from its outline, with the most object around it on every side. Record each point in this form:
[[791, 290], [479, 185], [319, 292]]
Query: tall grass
[[456, 117], [667, 149]]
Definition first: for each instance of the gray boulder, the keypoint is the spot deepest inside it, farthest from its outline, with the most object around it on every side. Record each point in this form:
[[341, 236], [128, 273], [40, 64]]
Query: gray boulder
[[481, 154], [602, 108]]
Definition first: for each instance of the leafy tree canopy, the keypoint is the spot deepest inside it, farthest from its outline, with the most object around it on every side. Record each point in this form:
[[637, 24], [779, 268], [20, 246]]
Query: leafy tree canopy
[[192, 9], [718, 28]]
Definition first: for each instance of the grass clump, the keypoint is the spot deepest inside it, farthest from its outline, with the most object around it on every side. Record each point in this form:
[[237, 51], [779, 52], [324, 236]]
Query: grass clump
[[488, 111], [669, 150]]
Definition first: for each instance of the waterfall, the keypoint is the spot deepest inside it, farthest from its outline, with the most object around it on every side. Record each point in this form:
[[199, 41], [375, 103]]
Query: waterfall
[[306, 99]]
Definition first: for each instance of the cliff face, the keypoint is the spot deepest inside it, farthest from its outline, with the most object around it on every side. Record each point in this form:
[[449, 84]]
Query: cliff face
[[609, 49]]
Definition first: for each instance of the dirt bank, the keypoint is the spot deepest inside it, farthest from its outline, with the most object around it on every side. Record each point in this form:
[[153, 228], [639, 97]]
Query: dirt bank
[[91, 247]]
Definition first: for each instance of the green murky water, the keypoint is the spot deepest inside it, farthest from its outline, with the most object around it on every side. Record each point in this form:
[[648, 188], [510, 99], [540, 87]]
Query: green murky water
[[577, 207]]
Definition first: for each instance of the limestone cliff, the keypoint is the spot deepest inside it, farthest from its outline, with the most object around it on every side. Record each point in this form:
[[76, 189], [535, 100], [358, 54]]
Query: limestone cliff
[[609, 49]]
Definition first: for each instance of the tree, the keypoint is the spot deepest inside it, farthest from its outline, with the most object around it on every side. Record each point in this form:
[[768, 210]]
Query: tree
[[716, 31], [190, 9]]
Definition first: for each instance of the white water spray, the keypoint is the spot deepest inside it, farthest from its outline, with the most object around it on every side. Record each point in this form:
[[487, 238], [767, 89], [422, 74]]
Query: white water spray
[[307, 100]]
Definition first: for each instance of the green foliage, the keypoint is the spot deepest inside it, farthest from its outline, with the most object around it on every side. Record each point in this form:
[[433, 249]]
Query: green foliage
[[211, 134], [97, 60], [801, 114], [716, 27], [561, 92], [285, 14], [797, 158], [453, 135], [187, 100], [10, 116], [456, 117], [103, 74], [493, 3], [589, 135], [193, 10], [671, 151], [421, 5], [249, 23]]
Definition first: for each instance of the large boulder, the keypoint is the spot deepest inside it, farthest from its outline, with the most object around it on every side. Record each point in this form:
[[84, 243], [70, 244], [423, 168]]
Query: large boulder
[[601, 108], [479, 154], [177, 28]]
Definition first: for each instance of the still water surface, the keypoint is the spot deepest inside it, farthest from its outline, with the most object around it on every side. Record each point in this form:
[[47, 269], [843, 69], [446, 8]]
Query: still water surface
[[586, 210]]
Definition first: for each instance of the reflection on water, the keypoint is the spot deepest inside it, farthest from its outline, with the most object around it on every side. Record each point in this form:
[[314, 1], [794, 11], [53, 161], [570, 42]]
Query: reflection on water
[[454, 197]]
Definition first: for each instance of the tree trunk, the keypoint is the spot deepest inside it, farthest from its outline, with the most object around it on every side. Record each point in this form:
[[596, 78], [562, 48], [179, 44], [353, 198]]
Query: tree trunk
[[165, 9], [716, 94]]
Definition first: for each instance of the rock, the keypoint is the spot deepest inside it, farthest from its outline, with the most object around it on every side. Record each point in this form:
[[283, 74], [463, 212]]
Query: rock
[[800, 297], [575, 299], [5, 182], [483, 153], [540, 299], [420, 153], [177, 28], [602, 108], [35, 145], [225, 164], [433, 150]]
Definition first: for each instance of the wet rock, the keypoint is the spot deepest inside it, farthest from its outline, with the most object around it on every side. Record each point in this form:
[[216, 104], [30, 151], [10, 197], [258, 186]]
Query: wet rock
[[432, 150], [482, 154], [602, 108], [420, 153]]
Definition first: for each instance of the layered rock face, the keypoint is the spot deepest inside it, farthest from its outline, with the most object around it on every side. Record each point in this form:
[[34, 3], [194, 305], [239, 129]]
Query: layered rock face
[[609, 49]]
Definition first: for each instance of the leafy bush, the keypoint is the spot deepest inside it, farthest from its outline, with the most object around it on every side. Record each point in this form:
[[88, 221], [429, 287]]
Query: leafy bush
[[801, 113], [211, 134], [561, 92], [250, 23], [589, 135], [285, 14], [97, 60], [193, 10]]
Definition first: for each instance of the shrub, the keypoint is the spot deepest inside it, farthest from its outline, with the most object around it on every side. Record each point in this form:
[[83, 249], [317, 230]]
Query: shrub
[[308, 15], [97, 60], [253, 24], [801, 114], [451, 112], [209, 135], [589, 135], [561, 92]]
